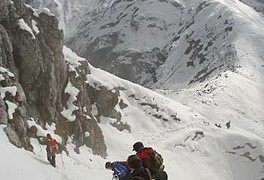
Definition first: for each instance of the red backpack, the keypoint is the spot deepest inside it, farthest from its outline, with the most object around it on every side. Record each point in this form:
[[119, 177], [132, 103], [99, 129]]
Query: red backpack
[[53, 145]]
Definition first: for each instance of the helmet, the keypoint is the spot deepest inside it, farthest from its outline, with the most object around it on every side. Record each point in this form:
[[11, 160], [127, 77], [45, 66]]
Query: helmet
[[137, 146]]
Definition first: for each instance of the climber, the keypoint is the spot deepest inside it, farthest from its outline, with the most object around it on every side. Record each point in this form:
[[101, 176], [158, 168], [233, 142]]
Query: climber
[[120, 168], [52, 148], [151, 160], [138, 172], [144, 153]]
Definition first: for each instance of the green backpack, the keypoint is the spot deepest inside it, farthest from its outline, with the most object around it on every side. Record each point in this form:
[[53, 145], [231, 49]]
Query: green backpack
[[157, 167], [156, 161]]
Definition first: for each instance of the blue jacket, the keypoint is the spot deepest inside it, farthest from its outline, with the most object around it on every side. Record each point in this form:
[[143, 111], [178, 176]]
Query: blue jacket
[[120, 170]]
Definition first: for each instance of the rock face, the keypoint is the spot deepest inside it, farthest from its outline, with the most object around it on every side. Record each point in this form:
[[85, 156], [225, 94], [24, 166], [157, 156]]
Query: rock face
[[34, 77]]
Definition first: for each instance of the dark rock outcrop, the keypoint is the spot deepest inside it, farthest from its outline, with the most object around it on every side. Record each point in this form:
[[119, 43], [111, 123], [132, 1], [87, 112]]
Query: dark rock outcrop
[[33, 79]]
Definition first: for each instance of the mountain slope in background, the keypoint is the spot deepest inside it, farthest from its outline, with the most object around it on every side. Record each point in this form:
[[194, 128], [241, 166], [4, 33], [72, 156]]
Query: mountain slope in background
[[127, 37], [237, 89], [196, 49], [258, 5], [169, 44]]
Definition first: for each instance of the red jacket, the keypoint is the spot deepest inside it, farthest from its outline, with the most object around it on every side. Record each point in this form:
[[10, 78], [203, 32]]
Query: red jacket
[[145, 155]]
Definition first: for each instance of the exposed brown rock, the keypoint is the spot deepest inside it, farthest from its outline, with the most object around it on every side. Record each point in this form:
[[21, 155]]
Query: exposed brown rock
[[40, 76]]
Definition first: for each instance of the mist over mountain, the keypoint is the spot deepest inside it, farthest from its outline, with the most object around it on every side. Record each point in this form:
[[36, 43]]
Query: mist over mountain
[[69, 13], [203, 63]]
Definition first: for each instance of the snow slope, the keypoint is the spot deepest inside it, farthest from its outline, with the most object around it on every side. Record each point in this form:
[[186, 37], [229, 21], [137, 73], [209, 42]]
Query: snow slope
[[180, 123], [230, 38], [232, 95], [192, 147]]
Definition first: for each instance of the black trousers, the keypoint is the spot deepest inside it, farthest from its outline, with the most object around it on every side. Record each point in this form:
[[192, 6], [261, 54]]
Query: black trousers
[[51, 159]]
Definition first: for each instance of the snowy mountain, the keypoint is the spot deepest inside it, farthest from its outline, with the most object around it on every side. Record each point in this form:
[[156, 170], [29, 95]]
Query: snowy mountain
[[189, 143], [258, 5], [206, 74], [231, 79], [127, 38], [201, 51], [169, 44]]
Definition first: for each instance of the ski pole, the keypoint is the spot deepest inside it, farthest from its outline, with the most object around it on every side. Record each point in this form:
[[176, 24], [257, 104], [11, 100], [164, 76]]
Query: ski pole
[[40, 147]]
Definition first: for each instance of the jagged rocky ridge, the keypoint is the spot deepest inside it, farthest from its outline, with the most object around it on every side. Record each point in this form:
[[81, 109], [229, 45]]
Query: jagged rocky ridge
[[35, 80]]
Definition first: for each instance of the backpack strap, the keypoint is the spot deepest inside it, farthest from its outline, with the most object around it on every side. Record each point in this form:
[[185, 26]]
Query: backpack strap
[[149, 173], [138, 177]]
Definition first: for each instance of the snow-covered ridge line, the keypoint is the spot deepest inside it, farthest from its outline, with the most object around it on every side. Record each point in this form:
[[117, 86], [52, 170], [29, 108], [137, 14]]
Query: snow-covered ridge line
[[170, 46]]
